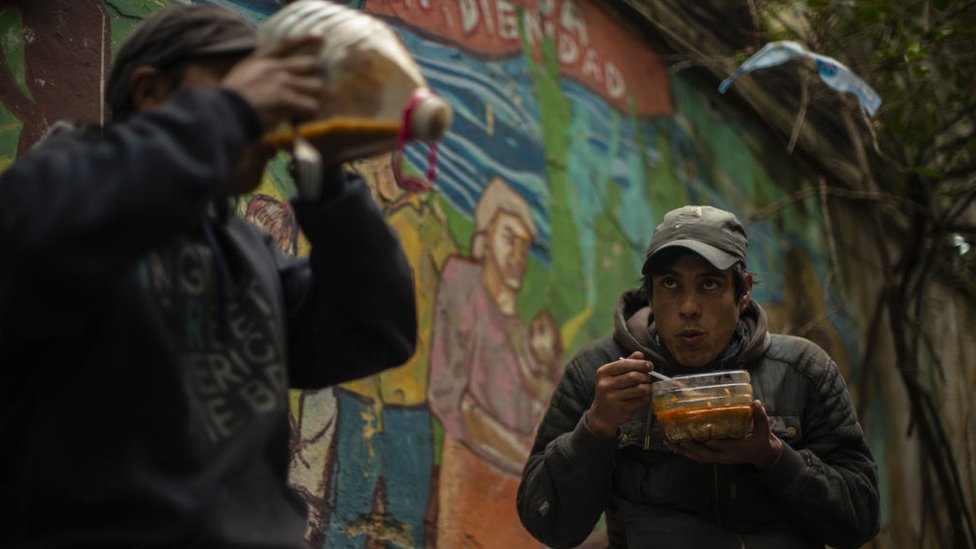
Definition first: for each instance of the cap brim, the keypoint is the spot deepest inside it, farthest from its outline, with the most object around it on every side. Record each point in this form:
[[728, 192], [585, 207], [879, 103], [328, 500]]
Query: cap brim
[[719, 259]]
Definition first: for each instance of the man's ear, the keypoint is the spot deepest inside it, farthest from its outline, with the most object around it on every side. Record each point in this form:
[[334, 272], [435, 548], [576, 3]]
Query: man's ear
[[747, 294], [146, 88]]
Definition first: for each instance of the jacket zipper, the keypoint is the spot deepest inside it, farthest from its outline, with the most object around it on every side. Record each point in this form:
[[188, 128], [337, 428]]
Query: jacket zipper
[[718, 505]]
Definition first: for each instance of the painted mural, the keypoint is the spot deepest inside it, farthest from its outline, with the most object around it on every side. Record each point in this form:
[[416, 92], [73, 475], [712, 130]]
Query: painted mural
[[571, 139]]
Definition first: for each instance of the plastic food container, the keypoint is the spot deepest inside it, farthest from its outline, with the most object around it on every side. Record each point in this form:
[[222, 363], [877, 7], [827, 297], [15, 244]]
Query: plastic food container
[[376, 97], [704, 406]]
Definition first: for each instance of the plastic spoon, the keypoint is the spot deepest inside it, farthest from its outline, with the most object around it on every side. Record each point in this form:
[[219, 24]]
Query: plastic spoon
[[654, 373], [662, 377]]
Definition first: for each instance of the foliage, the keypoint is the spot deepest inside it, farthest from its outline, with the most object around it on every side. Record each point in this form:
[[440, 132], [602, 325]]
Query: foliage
[[918, 158]]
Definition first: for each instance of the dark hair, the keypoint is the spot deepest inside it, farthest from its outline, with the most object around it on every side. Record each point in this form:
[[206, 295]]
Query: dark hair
[[666, 258], [170, 36], [170, 76]]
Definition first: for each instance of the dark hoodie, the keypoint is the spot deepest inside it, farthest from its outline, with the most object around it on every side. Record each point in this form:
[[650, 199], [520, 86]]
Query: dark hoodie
[[147, 342], [821, 489]]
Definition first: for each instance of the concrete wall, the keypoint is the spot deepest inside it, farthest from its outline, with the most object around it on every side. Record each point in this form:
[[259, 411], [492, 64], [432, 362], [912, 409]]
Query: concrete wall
[[575, 130]]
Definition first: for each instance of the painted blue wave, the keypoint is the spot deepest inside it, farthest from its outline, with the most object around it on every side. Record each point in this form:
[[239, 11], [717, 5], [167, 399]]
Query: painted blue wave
[[495, 132]]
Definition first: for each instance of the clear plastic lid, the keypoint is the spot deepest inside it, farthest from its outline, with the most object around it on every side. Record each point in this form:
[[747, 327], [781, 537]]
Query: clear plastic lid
[[737, 381]]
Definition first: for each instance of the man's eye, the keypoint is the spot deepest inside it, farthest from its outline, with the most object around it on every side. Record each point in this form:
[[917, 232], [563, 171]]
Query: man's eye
[[710, 284], [669, 283]]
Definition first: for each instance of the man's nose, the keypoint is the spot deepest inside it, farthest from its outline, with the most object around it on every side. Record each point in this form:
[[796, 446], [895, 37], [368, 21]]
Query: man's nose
[[690, 305], [520, 252]]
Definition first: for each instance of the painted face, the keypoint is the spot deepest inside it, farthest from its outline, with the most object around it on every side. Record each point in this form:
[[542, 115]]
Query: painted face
[[377, 172], [695, 309], [508, 247], [544, 339], [275, 217]]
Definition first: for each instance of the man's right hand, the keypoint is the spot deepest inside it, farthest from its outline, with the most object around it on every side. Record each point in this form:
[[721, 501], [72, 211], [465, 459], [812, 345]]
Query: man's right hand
[[622, 388], [281, 81]]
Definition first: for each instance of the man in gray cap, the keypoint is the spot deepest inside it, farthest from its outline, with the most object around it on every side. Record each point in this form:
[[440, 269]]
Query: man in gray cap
[[803, 477], [148, 336]]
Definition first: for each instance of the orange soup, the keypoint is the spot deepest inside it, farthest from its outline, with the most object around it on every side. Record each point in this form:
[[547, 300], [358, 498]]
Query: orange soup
[[705, 423]]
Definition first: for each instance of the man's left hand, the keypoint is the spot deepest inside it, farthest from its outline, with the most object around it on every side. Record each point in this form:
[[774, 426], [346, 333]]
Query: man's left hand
[[759, 448]]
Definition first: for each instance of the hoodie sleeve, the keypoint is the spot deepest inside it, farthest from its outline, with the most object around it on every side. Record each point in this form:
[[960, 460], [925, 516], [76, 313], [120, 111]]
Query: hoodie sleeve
[[351, 306], [567, 481], [80, 212], [828, 486]]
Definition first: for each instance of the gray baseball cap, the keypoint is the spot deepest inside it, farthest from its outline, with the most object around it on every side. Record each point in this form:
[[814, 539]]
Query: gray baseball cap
[[175, 33], [714, 234]]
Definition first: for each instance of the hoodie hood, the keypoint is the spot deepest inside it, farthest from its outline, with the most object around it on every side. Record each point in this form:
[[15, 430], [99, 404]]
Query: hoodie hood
[[634, 330]]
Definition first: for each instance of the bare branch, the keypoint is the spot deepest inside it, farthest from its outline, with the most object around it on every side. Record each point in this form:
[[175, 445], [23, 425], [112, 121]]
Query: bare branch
[[829, 229], [804, 103], [807, 192]]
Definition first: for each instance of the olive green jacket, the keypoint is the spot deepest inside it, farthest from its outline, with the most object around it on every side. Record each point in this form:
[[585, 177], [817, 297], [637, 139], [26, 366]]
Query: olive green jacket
[[822, 489]]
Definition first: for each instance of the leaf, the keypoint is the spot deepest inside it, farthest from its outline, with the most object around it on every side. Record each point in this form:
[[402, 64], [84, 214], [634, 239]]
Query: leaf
[[914, 51], [931, 174]]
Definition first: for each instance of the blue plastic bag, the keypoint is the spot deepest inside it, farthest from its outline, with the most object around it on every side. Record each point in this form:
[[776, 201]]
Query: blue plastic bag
[[831, 71]]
